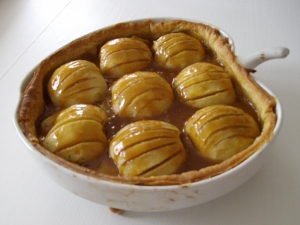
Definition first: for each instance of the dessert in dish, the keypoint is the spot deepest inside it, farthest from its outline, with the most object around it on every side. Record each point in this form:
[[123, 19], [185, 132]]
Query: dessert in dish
[[147, 148], [76, 82], [141, 94], [124, 55], [217, 62], [203, 84]]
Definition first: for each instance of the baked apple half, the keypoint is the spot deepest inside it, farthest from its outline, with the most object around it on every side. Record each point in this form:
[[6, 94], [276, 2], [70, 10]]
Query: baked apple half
[[147, 148]]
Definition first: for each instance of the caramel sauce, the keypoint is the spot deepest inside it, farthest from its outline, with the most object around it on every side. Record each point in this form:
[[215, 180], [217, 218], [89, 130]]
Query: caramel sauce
[[177, 115]]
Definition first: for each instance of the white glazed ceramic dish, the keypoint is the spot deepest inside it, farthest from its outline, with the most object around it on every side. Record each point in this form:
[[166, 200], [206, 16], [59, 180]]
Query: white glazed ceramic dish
[[161, 198]]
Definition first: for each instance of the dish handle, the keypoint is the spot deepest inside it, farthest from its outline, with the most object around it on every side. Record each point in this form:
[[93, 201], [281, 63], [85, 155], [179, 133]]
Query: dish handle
[[253, 60]]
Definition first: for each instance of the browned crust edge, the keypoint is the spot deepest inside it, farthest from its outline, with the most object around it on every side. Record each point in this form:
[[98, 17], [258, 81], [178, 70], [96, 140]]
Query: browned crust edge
[[31, 104]]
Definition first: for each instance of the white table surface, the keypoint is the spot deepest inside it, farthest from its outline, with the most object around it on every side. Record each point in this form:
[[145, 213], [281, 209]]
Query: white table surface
[[32, 29]]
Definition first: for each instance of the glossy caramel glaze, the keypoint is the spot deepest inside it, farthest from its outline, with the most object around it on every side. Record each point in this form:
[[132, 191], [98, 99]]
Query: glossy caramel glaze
[[177, 114]]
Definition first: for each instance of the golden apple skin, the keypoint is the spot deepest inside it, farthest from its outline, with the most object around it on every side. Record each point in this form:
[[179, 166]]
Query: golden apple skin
[[141, 94], [77, 82], [203, 84], [219, 132], [77, 134], [123, 56], [147, 148], [177, 50]]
